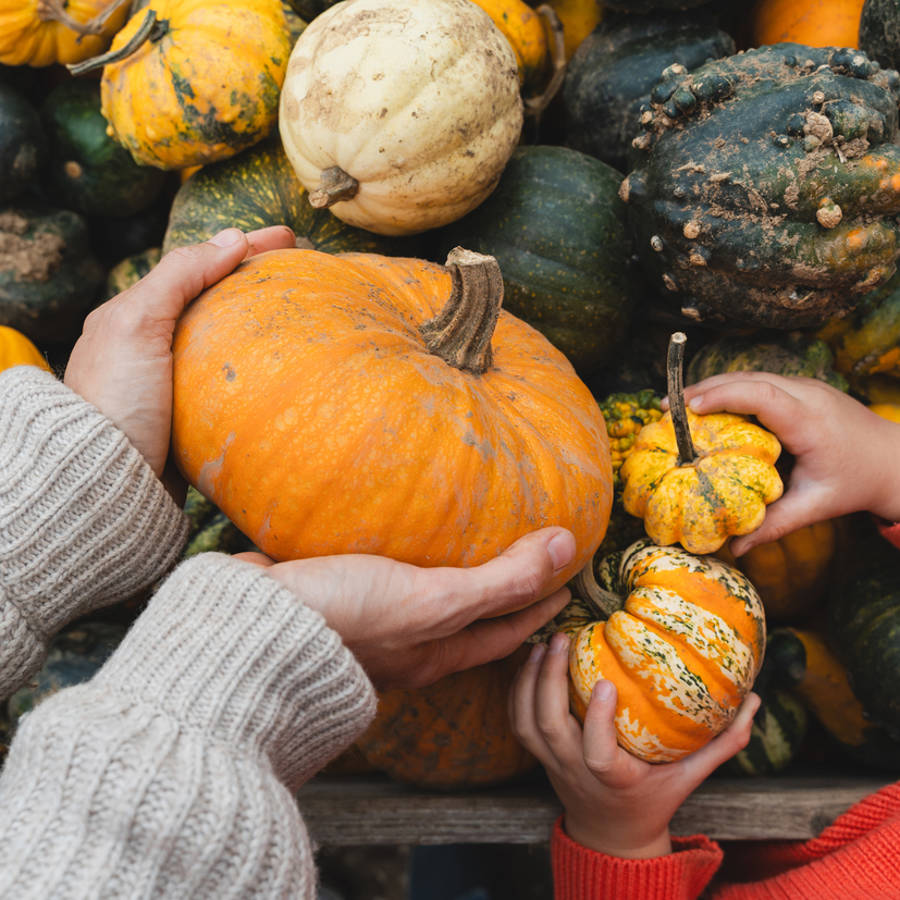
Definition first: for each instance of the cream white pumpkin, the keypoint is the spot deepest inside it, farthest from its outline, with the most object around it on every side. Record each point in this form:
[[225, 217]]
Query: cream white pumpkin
[[400, 115]]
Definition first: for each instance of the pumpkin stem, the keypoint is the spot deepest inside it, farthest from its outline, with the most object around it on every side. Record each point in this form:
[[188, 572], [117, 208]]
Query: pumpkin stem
[[55, 11], [461, 332], [586, 586], [150, 29], [336, 185], [675, 383], [553, 28]]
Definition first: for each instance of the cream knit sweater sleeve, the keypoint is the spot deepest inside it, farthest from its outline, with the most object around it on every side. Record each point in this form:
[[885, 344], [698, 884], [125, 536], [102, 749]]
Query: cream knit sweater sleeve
[[84, 522], [172, 772]]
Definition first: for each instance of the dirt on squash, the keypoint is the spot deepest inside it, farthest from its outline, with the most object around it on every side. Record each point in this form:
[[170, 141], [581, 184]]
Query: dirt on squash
[[28, 258]]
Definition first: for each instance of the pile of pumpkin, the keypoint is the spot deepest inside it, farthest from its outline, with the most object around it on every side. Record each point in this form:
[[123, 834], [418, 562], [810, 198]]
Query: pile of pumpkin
[[608, 175]]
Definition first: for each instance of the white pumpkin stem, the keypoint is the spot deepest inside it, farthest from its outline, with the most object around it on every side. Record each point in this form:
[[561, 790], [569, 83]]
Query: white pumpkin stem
[[553, 28], [336, 185], [586, 586], [461, 332], [150, 30], [675, 384]]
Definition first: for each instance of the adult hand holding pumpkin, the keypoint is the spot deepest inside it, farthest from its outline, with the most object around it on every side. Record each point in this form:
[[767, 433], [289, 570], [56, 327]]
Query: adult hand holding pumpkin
[[614, 802], [409, 626], [122, 363], [846, 457]]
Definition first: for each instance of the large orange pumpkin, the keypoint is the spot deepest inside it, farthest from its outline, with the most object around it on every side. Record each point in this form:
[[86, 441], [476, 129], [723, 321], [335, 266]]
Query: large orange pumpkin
[[367, 404]]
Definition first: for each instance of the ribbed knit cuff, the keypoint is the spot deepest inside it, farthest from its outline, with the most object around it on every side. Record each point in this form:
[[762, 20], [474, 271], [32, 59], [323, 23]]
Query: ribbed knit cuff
[[84, 521], [225, 649], [580, 873]]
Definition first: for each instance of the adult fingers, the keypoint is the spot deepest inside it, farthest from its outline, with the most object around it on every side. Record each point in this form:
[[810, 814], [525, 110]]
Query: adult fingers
[[181, 275], [518, 577], [254, 558], [489, 639], [275, 237], [693, 769]]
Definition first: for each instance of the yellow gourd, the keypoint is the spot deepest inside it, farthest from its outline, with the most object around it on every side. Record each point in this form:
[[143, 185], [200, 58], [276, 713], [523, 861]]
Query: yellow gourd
[[17, 350]]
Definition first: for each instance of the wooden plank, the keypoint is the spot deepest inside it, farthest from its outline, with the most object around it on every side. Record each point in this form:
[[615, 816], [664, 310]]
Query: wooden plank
[[369, 810]]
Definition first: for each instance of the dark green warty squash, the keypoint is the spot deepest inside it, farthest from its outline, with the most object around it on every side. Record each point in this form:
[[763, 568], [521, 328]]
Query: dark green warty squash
[[48, 277], [257, 188], [769, 185], [879, 31], [557, 229], [89, 171], [794, 353], [22, 143], [610, 76]]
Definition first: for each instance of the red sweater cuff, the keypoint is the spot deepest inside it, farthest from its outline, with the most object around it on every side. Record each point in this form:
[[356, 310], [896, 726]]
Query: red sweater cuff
[[890, 531], [583, 874]]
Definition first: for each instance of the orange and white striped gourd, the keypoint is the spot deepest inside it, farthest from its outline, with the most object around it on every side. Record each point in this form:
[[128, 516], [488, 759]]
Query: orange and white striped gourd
[[683, 642]]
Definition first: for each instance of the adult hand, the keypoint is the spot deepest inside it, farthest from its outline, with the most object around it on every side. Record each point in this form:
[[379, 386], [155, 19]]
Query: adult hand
[[122, 363], [409, 626], [845, 455], [614, 802]]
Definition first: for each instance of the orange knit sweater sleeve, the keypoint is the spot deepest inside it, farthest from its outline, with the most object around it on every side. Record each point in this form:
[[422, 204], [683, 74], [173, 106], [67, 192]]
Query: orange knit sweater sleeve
[[855, 858]]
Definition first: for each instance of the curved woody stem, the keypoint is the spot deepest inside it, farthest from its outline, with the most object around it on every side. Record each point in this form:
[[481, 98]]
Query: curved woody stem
[[150, 29], [687, 454]]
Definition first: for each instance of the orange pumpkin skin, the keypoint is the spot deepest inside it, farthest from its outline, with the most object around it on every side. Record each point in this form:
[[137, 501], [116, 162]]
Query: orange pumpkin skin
[[816, 23], [31, 37], [17, 350], [307, 407], [453, 734], [683, 652], [791, 574]]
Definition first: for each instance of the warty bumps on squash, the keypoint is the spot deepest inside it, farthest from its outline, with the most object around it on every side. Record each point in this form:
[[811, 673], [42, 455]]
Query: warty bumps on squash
[[769, 185], [369, 404], [399, 115], [682, 637]]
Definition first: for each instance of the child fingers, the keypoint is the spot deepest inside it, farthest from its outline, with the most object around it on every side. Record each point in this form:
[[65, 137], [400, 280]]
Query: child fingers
[[601, 749], [521, 704]]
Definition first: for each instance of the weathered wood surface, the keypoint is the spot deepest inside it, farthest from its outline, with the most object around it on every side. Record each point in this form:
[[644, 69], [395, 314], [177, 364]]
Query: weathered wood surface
[[370, 810]]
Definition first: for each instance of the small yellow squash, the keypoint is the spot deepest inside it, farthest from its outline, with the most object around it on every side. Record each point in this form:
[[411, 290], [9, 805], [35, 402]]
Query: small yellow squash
[[17, 350]]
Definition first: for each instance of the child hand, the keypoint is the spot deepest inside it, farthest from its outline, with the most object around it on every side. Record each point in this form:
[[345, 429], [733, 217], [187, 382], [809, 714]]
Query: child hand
[[847, 457], [614, 802]]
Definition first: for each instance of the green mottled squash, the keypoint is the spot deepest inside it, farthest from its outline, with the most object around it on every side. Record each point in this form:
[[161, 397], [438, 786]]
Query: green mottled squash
[[210, 529], [88, 171], [864, 629], [783, 354], [557, 229], [610, 76], [48, 277], [130, 271], [879, 31], [808, 667], [22, 143], [768, 185], [259, 188]]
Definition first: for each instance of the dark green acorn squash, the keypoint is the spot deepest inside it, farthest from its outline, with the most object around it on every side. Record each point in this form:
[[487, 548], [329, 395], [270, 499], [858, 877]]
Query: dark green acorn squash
[[864, 629], [48, 276], [22, 144], [557, 229], [257, 188], [130, 271], [609, 78], [879, 31], [784, 354], [309, 9], [766, 193], [89, 171]]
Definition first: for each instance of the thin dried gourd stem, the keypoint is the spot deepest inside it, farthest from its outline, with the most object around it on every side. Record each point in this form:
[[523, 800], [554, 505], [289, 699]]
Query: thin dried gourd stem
[[461, 332], [336, 185], [553, 28], [675, 384], [150, 30], [586, 586]]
